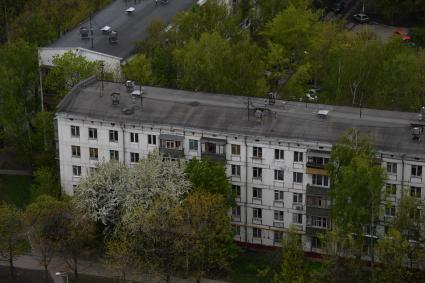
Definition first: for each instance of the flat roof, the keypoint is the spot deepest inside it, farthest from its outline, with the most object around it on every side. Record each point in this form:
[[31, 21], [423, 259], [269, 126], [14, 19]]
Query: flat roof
[[390, 130], [130, 27]]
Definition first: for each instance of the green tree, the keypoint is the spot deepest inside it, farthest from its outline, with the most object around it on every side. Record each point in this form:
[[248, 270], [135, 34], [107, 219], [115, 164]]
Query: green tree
[[356, 189], [44, 217], [69, 69], [392, 251], [154, 230], [293, 266], [210, 177], [45, 183], [76, 237], [206, 232], [11, 234], [139, 70]]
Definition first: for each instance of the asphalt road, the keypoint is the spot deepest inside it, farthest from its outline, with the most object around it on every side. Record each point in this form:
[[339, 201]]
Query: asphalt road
[[131, 28]]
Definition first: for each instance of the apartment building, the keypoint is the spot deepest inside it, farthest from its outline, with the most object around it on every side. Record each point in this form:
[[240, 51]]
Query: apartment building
[[274, 151]]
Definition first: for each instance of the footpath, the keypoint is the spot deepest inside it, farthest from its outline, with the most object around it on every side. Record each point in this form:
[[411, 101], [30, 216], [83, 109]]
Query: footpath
[[91, 268]]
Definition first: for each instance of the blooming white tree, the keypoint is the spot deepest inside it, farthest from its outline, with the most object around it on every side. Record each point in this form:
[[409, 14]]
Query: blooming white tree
[[114, 188]]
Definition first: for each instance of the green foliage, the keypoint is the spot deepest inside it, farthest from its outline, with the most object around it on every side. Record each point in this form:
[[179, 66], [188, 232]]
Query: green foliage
[[15, 190], [11, 233], [139, 70], [206, 233], [69, 69], [45, 182], [293, 265], [210, 176], [356, 184], [392, 252]]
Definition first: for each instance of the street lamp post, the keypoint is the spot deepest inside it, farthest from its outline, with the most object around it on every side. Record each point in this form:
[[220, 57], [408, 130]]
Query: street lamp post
[[63, 274]]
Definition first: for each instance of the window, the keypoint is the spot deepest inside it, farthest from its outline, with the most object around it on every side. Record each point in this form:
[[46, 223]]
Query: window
[[236, 170], [236, 211], [415, 192], [298, 177], [257, 173], [193, 144], [92, 170], [278, 195], [257, 152], [93, 133], [114, 155], [416, 171], [278, 175], [318, 221], [236, 149], [318, 202], [279, 154], [113, 136], [134, 157], [392, 167], [390, 210], [134, 137], [318, 161], [76, 171], [298, 156], [369, 230], [320, 180], [236, 190], [256, 232], [278, 236], [391, 189], [93, 153], [257, 212], [257, 193], [152, 139], [297, 218], [278, 215], [297, 198], [75, 131], [75, 151]]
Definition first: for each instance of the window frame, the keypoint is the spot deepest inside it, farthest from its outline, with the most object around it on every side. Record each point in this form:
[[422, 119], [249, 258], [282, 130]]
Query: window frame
[[75, 151], [297, 198], [279, 194], [235, 170], [152, 139], [75, 131], [416, 171], [298, 156], [236, 149], [278, 215], [134, 137], [257, 152], [193, 145], [257, 173], [114, 155], [279, 154], [257, 213], [76, 171], [92, 133], [296, 178], [113, 136], [279, 175], [134, 157], [93, 153], [257, 193]]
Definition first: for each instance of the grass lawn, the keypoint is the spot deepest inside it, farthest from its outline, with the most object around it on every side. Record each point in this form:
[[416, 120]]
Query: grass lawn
[[15, 189]]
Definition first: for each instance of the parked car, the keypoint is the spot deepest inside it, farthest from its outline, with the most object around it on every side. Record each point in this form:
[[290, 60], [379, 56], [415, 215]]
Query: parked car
[[361, 18], [338, 7]]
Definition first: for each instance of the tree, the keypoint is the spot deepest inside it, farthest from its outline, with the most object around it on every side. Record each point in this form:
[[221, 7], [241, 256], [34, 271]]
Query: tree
[[69, 69], [356, 186], [76, 237], [120, 253], [105, 195], [206, 232], [44, 217], [392, 251], [11, 234], [45, 183], [139, 70], [210, 176], [293, 266], [153, 228]]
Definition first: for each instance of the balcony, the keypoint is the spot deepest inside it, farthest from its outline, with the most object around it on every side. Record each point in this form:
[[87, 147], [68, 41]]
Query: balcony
[[172, 153], [316, 165], [313, 231], [316, 190], [317, 211], [213, 149], [257, 220], [278, 224]]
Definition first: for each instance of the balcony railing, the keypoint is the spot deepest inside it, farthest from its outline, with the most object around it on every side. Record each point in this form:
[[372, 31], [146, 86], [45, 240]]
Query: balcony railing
[[173, 153], [214, 156]]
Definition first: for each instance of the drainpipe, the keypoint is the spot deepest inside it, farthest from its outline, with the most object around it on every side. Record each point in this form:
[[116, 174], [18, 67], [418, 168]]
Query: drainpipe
[[246, 191], [123, 141]]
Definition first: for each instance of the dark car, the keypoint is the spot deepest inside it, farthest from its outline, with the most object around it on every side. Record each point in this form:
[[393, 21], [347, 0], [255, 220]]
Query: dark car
[[361, 18], [338, 7]]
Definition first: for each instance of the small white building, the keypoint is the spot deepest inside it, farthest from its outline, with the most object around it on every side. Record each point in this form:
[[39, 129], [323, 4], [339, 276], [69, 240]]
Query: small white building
[[274, 154]]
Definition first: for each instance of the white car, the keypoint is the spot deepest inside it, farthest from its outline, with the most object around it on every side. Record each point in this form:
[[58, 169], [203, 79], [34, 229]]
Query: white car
[[312, 95]]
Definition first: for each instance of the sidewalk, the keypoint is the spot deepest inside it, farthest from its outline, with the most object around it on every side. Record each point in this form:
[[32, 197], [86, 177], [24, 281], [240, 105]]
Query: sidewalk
[[91, 268]]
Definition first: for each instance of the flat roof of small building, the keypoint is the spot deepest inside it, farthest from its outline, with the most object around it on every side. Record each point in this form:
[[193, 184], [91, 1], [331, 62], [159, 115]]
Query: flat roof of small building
[[130, 27], [390, 130]]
